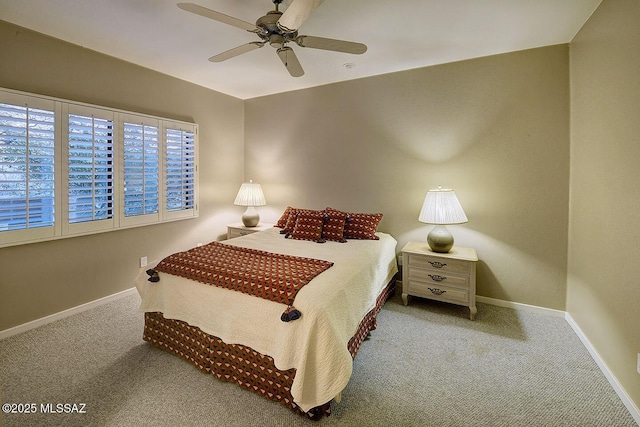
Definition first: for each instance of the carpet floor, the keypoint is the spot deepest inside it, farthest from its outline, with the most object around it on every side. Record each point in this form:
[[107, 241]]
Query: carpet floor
[[427, 364]]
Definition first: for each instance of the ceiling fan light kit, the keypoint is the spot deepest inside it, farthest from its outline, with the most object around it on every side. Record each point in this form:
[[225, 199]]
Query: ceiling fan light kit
[[278, 28]]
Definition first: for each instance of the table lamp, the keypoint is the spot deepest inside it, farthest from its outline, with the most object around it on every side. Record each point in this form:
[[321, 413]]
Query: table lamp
[[250, 195], [441, 207]]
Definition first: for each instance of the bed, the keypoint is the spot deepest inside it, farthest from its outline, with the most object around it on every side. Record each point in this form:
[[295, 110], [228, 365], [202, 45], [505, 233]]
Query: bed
[[304, 363]]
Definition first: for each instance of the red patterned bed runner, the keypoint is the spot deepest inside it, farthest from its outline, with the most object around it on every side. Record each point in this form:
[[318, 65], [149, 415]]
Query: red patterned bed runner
[[275, 277]]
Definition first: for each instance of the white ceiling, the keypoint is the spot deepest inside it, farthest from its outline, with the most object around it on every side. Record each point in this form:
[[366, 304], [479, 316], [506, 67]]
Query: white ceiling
[[400, 35]]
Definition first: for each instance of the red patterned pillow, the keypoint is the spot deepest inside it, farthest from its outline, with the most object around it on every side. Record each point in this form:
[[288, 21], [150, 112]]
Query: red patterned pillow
[[333, 228], [291, 222], [291, 219], [309, 226], [282, 222], [360, 225]]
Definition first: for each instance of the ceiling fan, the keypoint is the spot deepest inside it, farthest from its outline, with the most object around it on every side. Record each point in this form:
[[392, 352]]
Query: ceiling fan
[[278, 29]]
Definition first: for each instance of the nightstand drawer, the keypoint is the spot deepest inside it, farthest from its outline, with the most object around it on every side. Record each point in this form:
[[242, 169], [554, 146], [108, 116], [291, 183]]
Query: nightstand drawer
[[238, 229], [235, 232], [437, 277], [436, 263], [439, 292]]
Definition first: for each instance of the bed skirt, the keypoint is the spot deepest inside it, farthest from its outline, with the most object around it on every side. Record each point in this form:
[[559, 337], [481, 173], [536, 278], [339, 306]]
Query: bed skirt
[[241, 364]]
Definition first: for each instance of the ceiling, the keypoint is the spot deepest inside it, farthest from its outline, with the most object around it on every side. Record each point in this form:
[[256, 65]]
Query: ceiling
[[400, 35]]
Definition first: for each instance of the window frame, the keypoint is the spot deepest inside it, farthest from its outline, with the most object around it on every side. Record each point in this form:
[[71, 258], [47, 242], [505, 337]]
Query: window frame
[[62, 228]]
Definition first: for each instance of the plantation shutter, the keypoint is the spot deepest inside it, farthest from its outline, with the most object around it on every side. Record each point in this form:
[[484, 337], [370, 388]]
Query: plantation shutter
[[90, 165], [180, 170], [27, 170], [141, 169]]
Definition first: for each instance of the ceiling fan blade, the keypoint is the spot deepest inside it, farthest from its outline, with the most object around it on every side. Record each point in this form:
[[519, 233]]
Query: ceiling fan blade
[[331, 44], [217, 16], [297, 13], [236, 51], [290, 60]]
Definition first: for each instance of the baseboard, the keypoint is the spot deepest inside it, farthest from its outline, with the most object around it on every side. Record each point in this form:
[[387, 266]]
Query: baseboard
[[66, 313], [509, 304], [520, 306], [626, 400]]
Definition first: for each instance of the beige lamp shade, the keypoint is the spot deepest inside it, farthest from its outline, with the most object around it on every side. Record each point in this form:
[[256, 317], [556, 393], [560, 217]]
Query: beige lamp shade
[[441, 207], [250, 195]]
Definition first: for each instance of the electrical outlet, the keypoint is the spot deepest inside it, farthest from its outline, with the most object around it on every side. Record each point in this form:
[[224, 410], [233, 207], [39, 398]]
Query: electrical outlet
[[143, 261]]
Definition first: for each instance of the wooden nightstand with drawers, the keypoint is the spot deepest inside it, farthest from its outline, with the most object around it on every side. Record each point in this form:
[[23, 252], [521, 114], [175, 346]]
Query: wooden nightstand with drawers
[[448, 277]]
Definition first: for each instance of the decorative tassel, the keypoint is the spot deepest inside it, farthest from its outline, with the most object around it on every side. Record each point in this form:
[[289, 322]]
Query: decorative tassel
[[153, 275], [291, 313]]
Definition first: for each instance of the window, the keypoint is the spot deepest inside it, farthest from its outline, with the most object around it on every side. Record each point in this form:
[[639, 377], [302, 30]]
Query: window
[[141, 169], [180, 167], [28, 162], [90, 168], [27, 168], [69, 169]]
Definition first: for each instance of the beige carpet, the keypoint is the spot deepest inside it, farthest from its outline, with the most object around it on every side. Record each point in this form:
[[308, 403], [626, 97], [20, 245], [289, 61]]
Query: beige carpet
[[425, 365]]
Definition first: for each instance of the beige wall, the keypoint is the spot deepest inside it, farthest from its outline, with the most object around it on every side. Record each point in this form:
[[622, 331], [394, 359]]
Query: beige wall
[[603, 286], [44, 278], [494, 129]]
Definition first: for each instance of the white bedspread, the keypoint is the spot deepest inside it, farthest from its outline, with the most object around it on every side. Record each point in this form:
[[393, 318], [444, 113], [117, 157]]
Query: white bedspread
[[332, 306]]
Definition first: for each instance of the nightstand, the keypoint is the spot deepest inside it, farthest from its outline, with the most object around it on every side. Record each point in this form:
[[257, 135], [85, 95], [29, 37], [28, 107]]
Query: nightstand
[[238, 229], [448, 277]]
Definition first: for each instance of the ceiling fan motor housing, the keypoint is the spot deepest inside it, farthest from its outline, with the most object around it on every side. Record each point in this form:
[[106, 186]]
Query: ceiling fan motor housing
[[271, 32]]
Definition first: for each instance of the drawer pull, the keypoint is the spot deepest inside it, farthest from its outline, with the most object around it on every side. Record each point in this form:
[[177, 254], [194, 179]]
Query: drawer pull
[[437, 264], [436, 278], [436, 291]]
